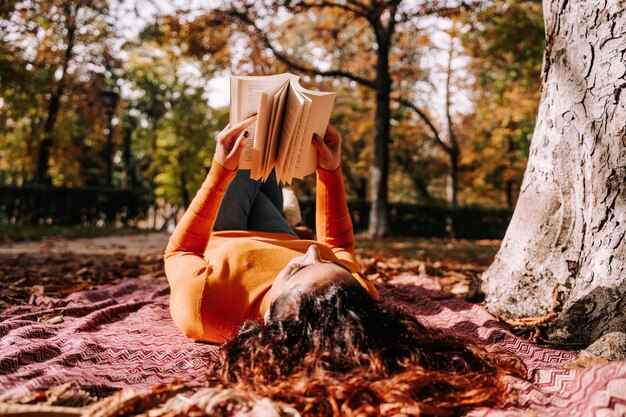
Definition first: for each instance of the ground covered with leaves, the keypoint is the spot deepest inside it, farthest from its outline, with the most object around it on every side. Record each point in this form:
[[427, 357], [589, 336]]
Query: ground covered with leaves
[[59, 266], [455, 264]]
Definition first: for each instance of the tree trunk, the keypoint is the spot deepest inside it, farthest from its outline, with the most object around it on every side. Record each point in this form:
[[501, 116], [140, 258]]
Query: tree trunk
[[108, 151], [43, 160], [452, 177], [419, 184], [452, 148], [565, 249], [379, 171], [357, 184], [129, 175], [508, 185], [184, 193]]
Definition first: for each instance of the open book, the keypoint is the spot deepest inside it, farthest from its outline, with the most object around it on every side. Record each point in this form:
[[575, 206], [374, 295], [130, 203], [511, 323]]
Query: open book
[[287, 117]]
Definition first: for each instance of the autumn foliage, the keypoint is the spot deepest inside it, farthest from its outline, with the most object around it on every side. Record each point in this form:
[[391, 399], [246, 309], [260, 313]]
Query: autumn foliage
[[463, 92]]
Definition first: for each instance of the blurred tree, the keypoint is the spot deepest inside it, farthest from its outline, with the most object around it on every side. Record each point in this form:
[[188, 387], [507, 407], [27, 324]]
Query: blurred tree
[[175, 56], [167, 121], [352, 117], [21, 113], [451, 146], [185, 146], [355, 40], [505, 40], [439, 121], [417, 159], [52, 53]]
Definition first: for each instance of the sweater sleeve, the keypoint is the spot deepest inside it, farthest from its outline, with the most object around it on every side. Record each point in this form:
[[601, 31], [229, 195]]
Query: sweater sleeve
[[334, 225], [185, 266], [194, 230], [332, 218]]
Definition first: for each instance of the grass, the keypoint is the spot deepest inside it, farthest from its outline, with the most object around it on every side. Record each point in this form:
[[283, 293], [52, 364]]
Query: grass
[[13, 232]]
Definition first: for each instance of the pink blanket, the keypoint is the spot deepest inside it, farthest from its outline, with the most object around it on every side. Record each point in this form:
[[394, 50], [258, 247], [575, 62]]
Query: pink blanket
[[114, 337], [121, 335]]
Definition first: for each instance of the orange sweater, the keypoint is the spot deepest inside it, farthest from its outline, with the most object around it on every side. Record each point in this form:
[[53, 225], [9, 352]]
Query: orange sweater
[[219, 280]]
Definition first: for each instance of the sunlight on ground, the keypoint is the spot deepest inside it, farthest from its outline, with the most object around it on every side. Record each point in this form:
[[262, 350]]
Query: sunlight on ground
[[455, 264], [57, 265]]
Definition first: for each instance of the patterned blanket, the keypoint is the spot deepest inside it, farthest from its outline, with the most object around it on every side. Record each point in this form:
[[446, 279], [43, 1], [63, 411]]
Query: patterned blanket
[[114, 337], [122, 336]]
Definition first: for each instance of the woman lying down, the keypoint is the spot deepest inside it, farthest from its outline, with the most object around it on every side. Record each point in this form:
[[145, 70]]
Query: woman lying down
[[298, 322]]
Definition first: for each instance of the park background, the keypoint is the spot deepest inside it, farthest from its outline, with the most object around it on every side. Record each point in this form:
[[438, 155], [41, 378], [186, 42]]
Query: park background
[[109, 109]]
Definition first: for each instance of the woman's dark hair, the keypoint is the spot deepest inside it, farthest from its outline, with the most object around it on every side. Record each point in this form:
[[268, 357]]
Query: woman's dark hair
[[342, 353]]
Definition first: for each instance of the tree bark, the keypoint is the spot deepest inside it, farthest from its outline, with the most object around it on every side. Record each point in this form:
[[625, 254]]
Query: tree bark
[[508, 189], [379, 171], [452, 177], [564, 249], [509, 194], [453, 150], [184, 194], [43, 160], [108, 151], [129, 174]]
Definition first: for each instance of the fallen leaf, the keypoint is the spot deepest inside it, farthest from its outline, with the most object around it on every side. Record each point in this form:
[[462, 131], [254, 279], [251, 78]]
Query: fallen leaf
[[373, 277], [83, 271], [52, 318], [460, 289], [531, 321], [37, 289], [535, 336], [80, 287], [586, 362]]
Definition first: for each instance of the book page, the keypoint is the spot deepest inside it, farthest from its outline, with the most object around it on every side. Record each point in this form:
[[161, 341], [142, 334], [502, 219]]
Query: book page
[[245, 100], [280, 99], [293, 113], [270, 114], [295, 159], [264, 120], [321, 107]]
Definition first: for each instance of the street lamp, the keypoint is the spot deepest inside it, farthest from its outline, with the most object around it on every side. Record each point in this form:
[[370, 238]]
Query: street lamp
[[109, 97]]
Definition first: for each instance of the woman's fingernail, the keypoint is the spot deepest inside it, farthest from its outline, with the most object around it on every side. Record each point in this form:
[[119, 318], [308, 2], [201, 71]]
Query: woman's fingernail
[[315, 137], [246, 134]]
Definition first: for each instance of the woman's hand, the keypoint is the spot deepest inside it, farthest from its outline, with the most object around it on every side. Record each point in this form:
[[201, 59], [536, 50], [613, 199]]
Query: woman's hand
[[230, 143], [328, 149]]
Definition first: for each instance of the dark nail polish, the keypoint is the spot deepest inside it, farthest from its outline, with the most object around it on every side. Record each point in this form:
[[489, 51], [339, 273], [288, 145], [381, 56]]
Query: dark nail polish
[[246, 134]]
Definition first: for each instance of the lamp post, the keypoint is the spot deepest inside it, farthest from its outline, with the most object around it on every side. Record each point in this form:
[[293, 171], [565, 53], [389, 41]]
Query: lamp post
[[109, 98]]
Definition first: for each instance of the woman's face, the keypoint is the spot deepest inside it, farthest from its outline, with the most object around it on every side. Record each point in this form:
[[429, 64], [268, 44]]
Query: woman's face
[[306, 273]]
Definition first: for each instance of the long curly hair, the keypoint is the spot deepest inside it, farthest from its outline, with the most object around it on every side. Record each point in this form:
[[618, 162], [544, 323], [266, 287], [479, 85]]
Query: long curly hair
[[342, 353]]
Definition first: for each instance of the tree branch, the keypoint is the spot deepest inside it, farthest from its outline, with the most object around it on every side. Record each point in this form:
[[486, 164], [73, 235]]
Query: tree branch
[[425, 119], [393, 9], [358, 9], [453, 142], [246, 19], [287, 60]]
